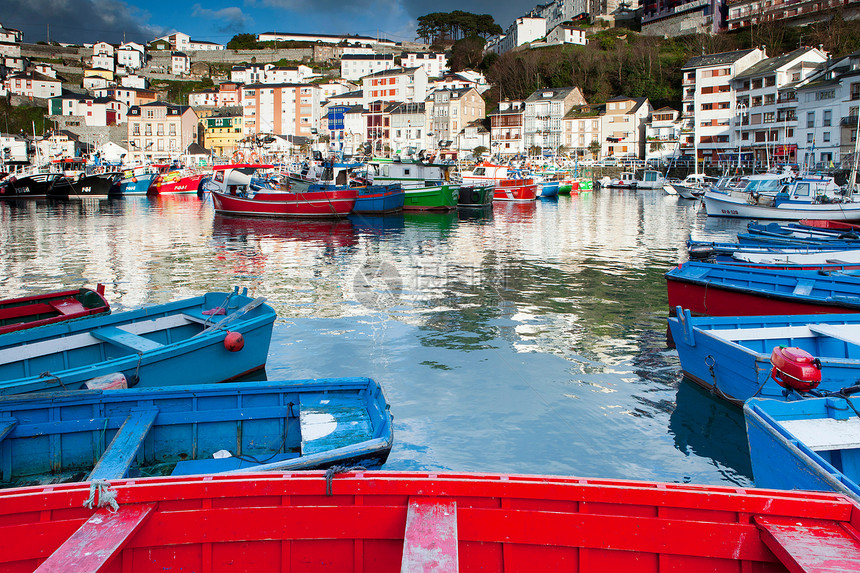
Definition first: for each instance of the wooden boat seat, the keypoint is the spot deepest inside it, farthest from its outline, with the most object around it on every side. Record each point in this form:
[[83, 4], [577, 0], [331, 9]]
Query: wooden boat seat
[[122, 450], [218, 465], [821, 434], [845, 332], [329, 423], [430, 542], [804, 287], [803, 544], [68, 306], [6, 426], [26, 310], [740, 334], [125, 339]]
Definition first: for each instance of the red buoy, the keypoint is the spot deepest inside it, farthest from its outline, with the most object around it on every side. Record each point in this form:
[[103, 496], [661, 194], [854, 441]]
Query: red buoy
[[234, 341], [795, 368]]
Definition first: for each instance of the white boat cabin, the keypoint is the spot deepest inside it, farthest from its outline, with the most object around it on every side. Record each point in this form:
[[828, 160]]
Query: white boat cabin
[[410, 174], [241, 180]]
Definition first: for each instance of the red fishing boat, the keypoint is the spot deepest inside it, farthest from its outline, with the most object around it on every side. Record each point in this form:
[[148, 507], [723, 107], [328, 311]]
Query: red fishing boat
[[176, 182], [48, 308], [515, 190], [400, 521], [244, 189]]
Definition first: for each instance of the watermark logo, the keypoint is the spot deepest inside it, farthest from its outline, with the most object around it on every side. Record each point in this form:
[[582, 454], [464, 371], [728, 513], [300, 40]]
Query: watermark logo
[[377, 285]]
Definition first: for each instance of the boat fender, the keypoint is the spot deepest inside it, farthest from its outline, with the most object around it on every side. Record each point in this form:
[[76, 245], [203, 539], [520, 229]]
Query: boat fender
[[849, 235], [234, 341], [795, 368], [112, 381], [134, 179]]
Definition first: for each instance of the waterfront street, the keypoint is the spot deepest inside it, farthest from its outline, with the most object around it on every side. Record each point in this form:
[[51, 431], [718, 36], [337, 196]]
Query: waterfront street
[[526, 339]]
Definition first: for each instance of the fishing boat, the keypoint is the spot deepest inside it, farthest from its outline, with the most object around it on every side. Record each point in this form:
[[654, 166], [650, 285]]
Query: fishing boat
[[486, 173], [409, 521], [517, 188], [245, 189], [95, 185], [807, 197], [627, 180], [28, 186], [206, 339], [136, 181], [739, 357], [428, 187], [725, 290], [477, 196], [195, 429], [693, 186], [707, 249], [176, 182], [651, 179], [808, 444], [548, 189], [47, 308]]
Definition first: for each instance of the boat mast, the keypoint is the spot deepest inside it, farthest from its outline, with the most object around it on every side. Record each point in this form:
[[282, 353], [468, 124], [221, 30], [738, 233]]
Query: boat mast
[[853, 180]]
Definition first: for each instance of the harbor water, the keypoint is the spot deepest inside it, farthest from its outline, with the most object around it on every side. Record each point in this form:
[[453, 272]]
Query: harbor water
[[530, 338]]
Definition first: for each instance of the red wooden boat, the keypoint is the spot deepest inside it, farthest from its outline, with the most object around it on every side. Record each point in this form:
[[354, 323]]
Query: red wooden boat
[[515, 190], [392, 521], [176, 183], [242, 189], [835, 225], [48, 308]]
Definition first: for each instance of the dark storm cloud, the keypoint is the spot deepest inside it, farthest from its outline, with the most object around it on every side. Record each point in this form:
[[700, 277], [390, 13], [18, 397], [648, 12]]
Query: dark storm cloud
[[78, 21]]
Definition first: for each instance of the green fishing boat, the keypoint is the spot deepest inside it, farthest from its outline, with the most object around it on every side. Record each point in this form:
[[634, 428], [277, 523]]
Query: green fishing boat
[[428, 187]]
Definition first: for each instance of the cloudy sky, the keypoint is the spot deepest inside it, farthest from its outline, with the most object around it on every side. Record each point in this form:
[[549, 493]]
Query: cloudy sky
[[79, 21]]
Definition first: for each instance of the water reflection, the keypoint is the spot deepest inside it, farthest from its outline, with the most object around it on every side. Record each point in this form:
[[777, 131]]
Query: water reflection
[[524, 337]]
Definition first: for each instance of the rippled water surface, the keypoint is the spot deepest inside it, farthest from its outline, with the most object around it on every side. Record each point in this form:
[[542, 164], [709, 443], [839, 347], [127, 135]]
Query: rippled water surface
[[526, 339]]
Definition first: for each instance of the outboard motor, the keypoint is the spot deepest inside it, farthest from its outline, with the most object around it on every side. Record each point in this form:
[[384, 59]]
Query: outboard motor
[[795, 368]]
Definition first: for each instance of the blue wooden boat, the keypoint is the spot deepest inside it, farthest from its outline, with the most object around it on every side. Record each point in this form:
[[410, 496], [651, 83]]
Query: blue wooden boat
[[808, 444], [182, 342], [379, 199], [725, 290], [184, 430], [549, 189], [731, 356], [136, 184], [705, 249], [777, 239], [801, 231]]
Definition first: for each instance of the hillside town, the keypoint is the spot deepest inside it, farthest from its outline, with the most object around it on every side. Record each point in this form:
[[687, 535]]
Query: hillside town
[[363, 96]]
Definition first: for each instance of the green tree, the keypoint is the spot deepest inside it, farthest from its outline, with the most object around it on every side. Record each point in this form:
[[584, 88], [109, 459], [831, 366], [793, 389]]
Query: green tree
[[243, 42], [594, 148], [535, 151], [479, 151]]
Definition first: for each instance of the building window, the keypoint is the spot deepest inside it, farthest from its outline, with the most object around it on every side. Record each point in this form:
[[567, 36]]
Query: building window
[[828, 115], [147, 129], [808, 138], [171, 129], [826, 136], [810, 119]]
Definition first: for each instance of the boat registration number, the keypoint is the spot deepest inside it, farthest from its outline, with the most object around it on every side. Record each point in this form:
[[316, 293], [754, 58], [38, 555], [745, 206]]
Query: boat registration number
[[728, 211]]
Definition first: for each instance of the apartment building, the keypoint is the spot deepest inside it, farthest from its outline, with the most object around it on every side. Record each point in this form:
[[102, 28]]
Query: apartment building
[[103, 62], [160, 131], [103, 48], [565, 34], [395, 85], [287, 109], [506, 128], [227, 94], [623, 127], [543, 115], [521, 31], [222, 133], [766, 108], [582, 128], [663, 134], [709, 106], [355, 66], [377, 130], [131, 56], [451, 111], [459, 80], [94, 111], [180, 64], [409, 129], [434, 64], [10, 35], [134, 81], [680, 17], [33, 85], [747, 13]]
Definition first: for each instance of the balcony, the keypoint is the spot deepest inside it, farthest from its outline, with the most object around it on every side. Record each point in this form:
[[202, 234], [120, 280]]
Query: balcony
[[850, 121]]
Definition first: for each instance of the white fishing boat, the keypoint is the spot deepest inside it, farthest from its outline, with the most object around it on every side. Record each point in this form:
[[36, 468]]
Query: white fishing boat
[[651, 179]]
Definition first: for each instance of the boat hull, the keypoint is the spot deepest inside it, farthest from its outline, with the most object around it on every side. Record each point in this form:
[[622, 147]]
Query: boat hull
[[549, 189], [432, 198], [165, 185], [475, 196], [720, 205], [160, 345], [137, 185], [378, 199], [264, 425], [731, 356], [782, 451], [401, 521], [515, 190], [32, 186], [88, 186], [337, 202], [40, 310]]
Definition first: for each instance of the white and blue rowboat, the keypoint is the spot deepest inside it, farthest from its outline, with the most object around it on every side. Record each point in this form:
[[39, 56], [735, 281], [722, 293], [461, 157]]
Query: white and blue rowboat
[[809, 444], [192, 341], [549, 189], [55, 437], [705, 249], [731, 355]]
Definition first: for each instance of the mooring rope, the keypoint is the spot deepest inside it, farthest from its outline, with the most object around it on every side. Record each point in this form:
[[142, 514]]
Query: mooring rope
[[333, 470], [106, 496]]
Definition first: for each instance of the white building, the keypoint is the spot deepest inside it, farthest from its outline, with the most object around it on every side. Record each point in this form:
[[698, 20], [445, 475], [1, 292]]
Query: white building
[[506, 128], [131, 56], [410, 129], [582, 128], [178, 41], [522, 31], [324, 39], [10, 50], [544, 113], [335, 88], [202, 46], [95, 82], [473, 135], [103, 49], [767, 113], [94, 111], [13, 148], [398, 84], [460, 80], [663, 135], [288, 74], [564, 34], [45, 70], [103, 62], [33, 85], [451, 112], [11, 35], [356, 66], [434, 64], [55, 145], [252, 74], [179, 64], [709, 106], [134, 81]]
